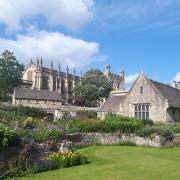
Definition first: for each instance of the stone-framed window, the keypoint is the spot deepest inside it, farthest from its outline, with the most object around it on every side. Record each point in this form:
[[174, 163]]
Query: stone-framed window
[[141, 90], [141, 111], [45, 82]]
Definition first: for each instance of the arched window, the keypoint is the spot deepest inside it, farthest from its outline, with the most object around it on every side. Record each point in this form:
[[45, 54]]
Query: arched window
[[45, 83], [62, 86], [29, 76], [70, 87], [54, 84]]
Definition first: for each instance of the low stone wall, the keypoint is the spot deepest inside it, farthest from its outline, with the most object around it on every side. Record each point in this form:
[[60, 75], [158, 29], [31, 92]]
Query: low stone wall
[[98, 138], [71, 111]]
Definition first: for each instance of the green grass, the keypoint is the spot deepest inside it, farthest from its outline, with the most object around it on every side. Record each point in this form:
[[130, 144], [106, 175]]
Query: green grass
[[121, 163]]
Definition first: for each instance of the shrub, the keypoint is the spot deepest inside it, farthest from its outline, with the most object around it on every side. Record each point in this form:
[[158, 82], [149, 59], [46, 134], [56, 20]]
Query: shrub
[[9, 116], [86, 115], [174, 127], [25, 111], [8, 137], [43, 165], [119, 118], [28, 123], [42, 135], [148, 131], [22, 161], [29, 111], [106, 126]]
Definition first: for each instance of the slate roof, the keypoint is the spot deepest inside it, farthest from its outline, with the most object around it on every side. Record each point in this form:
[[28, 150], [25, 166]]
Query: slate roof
[[112, 103], [170, 93], [22, 93]]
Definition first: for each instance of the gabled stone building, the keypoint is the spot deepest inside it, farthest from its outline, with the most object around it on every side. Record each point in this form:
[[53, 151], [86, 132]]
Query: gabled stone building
[[34, 98], [147, 99]]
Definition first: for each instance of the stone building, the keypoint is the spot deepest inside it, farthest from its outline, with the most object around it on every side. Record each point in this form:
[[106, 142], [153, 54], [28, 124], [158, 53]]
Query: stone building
[[34, 98], [40, 78], [39, 81], [147, 99]]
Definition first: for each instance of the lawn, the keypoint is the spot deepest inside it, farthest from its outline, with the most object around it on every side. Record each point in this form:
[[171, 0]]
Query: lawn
[[117, 163]]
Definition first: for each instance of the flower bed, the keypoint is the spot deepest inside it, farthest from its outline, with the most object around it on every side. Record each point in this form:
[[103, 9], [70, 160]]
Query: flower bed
[[68, 159]]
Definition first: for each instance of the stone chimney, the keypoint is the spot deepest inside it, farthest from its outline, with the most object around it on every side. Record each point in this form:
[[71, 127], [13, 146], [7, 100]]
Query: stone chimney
[[176, 84]]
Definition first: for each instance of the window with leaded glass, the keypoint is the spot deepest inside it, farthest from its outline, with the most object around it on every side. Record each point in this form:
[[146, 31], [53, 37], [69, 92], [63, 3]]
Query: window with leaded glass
[[141, 111]]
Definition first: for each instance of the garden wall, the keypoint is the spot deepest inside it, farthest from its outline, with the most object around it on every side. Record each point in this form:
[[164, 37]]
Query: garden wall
[[97, 138]]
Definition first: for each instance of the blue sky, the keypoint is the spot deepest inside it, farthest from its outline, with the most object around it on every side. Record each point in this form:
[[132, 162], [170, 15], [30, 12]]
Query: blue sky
[[134, 35]]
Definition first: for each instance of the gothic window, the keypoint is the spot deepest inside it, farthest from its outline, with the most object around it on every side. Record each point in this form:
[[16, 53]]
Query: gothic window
[[45, 83], [62, 86], [141, 90], [29, 76], [70, 87], [54, 84], [141, 111]]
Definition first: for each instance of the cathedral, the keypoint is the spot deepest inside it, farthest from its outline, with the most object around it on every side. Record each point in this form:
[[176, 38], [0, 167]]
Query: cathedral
[[38, 80]]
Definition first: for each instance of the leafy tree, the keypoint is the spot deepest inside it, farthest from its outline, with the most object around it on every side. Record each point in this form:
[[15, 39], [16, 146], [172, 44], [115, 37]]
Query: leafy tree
[[93, 89], [10, 74]]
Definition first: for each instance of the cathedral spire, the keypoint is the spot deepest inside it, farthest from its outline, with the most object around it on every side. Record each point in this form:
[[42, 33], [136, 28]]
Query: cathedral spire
[[51, 66], [37, 60], [59, 73], [41, 62], [59, 68], [74, 72], [81, 76], [37, 65], [31, 61], [67, 70]]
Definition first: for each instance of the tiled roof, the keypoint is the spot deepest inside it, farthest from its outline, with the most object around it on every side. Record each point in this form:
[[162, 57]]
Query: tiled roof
[[112, 103], [22, 93], [170, 93]]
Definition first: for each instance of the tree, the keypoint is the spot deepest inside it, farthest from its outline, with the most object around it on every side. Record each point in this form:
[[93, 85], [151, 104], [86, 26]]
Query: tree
[[10, 74], [93, 89]]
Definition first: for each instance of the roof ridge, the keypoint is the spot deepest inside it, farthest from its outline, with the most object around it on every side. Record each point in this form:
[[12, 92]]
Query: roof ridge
[[106, 101], [165, 84]]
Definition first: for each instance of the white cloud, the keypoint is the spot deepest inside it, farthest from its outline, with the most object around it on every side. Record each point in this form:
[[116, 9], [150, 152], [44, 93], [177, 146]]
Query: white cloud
[[177, 77], [53, 46], [71, 13], [130, 79]]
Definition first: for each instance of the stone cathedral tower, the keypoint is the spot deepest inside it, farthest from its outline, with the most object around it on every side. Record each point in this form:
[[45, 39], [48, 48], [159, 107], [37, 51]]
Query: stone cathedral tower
[[117, 81]]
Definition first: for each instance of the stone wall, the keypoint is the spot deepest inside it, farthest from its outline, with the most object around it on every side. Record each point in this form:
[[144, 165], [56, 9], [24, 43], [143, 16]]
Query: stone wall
[[97, 138], [37, 103], [71, 111]]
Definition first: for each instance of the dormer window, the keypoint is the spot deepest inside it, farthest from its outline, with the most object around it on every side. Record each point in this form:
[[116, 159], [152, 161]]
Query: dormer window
[[141, 90]]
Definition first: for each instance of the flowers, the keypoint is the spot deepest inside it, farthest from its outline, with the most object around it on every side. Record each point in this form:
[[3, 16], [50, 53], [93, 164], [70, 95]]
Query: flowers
[[68, 158]]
